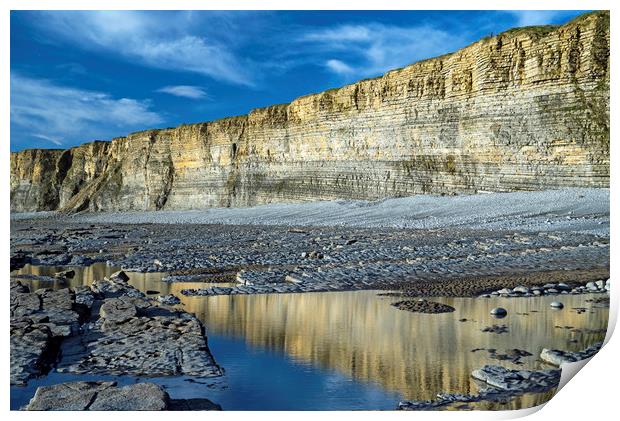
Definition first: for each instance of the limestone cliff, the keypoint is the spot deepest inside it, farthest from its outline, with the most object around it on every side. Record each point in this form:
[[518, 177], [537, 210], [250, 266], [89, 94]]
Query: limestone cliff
[[527, 109]]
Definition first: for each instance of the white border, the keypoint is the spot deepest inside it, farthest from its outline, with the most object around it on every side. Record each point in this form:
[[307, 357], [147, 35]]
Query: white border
[[590, 396]]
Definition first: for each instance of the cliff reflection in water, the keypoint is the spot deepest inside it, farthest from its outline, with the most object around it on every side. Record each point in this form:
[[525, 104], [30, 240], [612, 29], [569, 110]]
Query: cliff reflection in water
[[85, 275], [418, 355]]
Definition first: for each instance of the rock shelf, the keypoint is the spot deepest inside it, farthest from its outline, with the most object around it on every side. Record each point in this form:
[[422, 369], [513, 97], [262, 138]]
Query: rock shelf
[[503, 383], [109, 328], [107, 396], [558, 357]]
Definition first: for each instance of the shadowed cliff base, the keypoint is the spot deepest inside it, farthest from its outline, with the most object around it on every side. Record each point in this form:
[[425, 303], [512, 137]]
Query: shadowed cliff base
[[527, 109]]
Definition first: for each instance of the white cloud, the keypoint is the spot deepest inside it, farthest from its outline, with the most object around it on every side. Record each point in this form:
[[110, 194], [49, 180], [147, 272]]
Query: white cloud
[[375, 48], [339, 67], [159, 40], [54, 140], [42, 109], [186, 91]]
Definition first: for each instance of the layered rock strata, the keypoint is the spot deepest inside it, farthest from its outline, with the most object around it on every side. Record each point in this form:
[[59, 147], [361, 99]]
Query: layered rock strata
[[527, 109]]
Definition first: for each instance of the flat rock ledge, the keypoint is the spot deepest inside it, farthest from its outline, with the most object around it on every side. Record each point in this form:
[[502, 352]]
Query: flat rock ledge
[[39, 321], [504, 384], [109, 328], [137, 336], [423, 306], [107, 396], [558, 357]]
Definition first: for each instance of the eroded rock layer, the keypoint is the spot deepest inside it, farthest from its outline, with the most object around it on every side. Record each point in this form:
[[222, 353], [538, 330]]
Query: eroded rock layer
[[524, 110]]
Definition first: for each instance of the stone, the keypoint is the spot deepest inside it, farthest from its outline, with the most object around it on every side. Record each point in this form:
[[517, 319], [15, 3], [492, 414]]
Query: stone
[[557, 305], [499, 329], [69, 274], [521, 290], [423, 306], [137, 337], [117, 310], [499, 312], [558, 357], [120, 275], [99, 396], [518, 381], [169, 299]]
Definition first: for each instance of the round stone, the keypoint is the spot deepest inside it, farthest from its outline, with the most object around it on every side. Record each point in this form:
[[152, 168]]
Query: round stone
[[499, 312], [557, 304]]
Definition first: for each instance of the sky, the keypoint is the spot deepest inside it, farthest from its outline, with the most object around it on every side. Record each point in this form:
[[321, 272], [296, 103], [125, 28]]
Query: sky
[[78, 76]]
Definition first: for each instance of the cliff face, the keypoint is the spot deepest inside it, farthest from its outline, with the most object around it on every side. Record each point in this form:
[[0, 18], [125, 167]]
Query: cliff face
[[525, 110]]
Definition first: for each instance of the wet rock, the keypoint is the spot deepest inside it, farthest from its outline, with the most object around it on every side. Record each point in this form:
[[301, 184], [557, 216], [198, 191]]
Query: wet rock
[[521, 381], [423, 306], [117, 310], [38, 321], [558, 357], [557, 304], [19, 259], [68, 274], [153, 341], [499, 312], [120, 275], [499, 329], [512, 355], [169, 299], [99, 396], [504, 384]]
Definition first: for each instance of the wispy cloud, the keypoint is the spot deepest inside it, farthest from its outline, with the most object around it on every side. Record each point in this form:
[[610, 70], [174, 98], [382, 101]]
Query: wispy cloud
[[45, 110], [339, 67], [54, 140], [186, 91], [159, 40], [374, 48]]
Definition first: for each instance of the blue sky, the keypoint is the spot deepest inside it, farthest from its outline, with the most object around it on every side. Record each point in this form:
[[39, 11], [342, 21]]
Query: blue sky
[[81, 76]]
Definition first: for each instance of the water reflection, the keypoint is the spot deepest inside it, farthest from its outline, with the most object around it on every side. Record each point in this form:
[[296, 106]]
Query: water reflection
[[361, 336], [418, 355], [86, 275]]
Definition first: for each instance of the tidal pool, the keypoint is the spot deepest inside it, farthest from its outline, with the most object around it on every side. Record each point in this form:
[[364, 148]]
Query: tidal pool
[[353, 350]]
